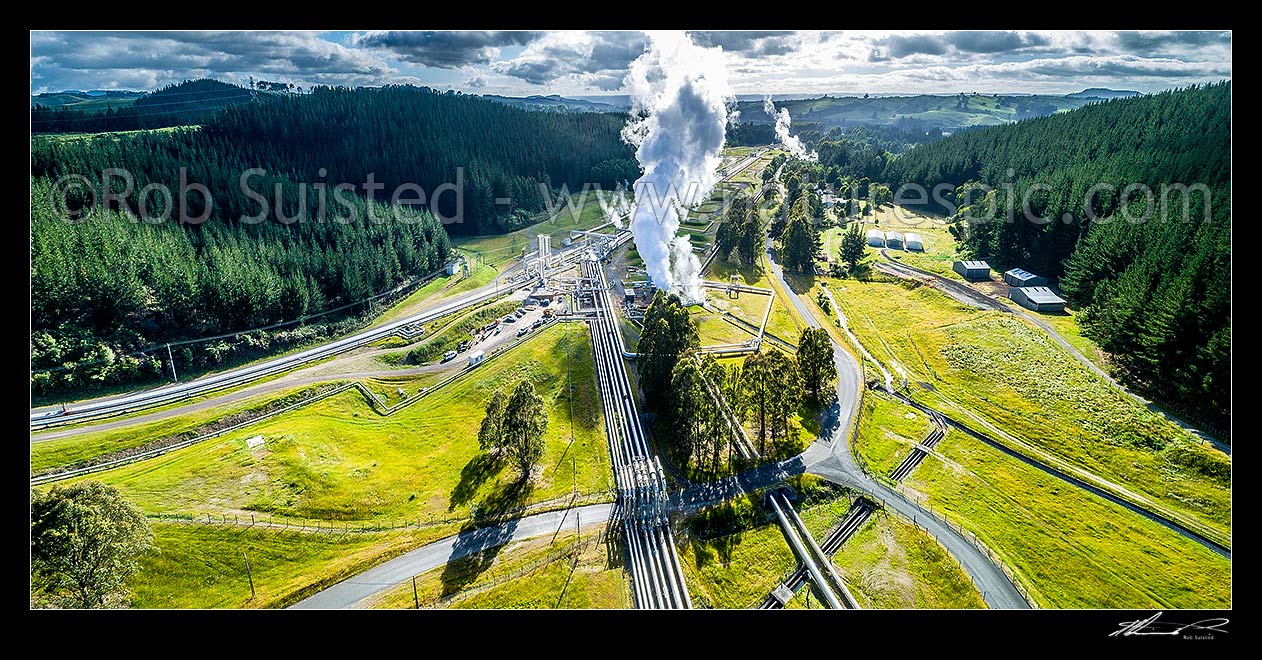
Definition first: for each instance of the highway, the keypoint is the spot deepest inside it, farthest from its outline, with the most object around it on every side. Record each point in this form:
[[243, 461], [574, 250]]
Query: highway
[[970, 296], [357, 589]]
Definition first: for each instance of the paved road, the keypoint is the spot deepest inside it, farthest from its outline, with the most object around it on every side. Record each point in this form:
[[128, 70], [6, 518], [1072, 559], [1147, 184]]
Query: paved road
[[353, 591], [829, 457], [173, 392], [970, 296]]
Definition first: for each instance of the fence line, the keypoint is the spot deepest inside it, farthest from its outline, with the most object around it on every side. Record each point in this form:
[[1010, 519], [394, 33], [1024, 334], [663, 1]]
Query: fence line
[[372, 526]]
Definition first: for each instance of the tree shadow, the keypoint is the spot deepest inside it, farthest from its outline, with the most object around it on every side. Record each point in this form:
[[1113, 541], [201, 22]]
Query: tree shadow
[[472, 476], [505, 498], [799, 282], [478, 544]]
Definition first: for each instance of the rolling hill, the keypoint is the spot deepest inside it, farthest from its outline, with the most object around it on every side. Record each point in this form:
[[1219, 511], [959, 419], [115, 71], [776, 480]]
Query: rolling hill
[[925, 110]]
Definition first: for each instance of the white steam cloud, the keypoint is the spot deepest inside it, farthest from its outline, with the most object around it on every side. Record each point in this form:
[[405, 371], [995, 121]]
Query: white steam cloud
[[783, 122], [679, 94]]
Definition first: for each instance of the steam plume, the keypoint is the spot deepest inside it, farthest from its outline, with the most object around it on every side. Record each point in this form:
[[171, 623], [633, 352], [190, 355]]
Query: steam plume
[[679, 117], [783, 121]]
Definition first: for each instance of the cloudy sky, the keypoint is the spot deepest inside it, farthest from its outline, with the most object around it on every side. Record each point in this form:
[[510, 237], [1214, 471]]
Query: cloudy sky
[[589, 63]]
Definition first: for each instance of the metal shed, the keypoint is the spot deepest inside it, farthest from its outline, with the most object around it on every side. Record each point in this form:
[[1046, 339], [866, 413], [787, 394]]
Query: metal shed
[[972, 270], [876, 238], [912, 242], [1037, 298], [1022, 277], [893, 239]]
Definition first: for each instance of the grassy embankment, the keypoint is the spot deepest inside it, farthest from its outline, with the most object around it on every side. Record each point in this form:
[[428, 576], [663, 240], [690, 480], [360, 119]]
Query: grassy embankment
[[1070, 548], [338, 460], [539, 573], [888, 563]]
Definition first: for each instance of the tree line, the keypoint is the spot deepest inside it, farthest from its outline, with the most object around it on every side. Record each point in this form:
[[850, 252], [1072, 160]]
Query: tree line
[[1155, 292], [765, 390], [106, 281]]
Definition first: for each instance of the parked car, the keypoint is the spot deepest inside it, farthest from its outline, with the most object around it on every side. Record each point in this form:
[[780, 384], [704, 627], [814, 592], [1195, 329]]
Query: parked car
[[520, 312], [463, 346], [449, 355], [523, 331], [537, 323], [510, 319]]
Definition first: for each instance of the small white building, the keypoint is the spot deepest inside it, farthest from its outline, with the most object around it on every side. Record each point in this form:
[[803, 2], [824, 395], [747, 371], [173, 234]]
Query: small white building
[[912, 242], [876, 238], [454, 267], [476, 358], [893, 239]]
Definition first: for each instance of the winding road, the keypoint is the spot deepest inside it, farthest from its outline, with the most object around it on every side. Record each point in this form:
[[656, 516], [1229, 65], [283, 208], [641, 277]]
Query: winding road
[[831, 459]]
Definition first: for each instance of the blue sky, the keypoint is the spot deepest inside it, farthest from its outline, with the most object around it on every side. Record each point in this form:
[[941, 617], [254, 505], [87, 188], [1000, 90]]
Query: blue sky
[[594, 62]]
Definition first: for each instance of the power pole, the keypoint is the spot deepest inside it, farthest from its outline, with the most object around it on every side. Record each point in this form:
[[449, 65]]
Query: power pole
[[416, 600], [174, 376], [249, 573]]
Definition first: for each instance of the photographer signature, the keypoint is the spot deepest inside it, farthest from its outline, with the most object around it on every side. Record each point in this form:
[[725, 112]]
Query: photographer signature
[[1153, 626]]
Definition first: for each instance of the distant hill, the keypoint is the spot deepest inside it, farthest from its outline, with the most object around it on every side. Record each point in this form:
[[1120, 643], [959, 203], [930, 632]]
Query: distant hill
[[87, 101], [1102, 93], [189, 102], [556, 103], [924, 111]]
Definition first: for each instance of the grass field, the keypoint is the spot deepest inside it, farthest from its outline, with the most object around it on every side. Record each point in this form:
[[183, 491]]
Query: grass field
[[67, 451], [203, 566], [887, 431], [1013, 377], [782, 323], [1068, 548], [940, 253], [339, 460], [540, 573], [713, 330], [888, 563]]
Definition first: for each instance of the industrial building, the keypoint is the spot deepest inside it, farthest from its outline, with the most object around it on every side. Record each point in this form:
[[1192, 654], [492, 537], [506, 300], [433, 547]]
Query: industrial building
[[894, 239], [972, 270], [912, 242], [876, 238], [1022, 277], [1037, 298]]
